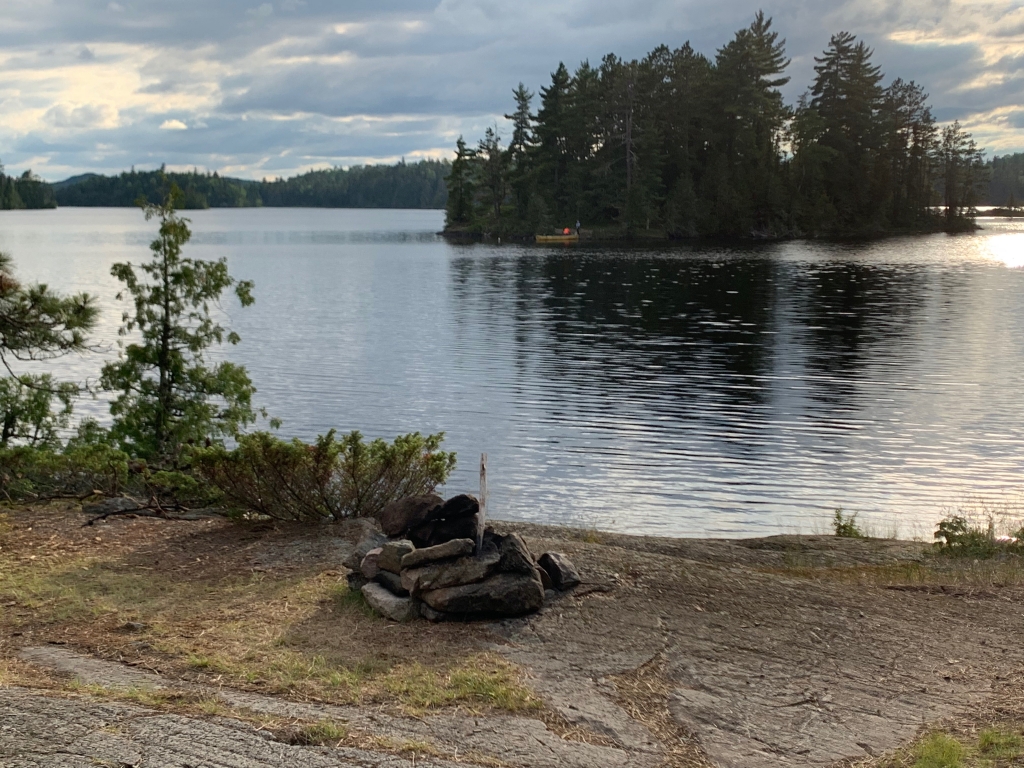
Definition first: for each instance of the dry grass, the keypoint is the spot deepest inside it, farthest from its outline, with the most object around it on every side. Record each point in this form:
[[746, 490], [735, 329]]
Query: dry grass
[[645, 694], [207, 615], [1007, 570], [323, 732]]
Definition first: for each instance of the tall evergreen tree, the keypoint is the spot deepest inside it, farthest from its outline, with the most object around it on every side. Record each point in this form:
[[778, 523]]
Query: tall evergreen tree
[[166, 394], [459, 209], [846, 95]]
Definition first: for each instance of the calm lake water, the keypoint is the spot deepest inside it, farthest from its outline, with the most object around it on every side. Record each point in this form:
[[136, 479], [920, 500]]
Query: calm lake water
[[677, 391]]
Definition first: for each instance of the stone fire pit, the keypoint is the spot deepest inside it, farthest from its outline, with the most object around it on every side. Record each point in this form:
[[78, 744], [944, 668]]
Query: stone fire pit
[[435, 560]]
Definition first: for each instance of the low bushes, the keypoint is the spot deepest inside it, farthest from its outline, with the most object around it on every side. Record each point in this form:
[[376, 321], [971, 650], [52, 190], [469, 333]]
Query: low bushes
[[28, 473], [327, 480]]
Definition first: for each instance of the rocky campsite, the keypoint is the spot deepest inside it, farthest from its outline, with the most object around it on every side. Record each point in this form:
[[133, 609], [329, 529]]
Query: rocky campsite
[[139, 641]]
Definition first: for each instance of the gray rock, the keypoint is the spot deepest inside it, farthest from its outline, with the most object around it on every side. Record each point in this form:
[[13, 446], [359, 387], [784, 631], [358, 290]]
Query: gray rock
[[390, 558], [505, 594], [430, 614], [451, 573], [457, 518], [456, 508], [399, 516], [561, 570], [436, 532], [356, 580], [369, 567], [515, 556], [545, 579], [371, 539], [392, 581], [450, 549], [388, 605]]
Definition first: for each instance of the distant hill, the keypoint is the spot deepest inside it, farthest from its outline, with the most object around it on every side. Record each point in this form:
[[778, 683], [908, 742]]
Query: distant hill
[[405, 185], [73, 180]]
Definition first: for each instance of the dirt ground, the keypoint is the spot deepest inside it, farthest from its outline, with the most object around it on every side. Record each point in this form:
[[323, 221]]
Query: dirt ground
[[784, 651]]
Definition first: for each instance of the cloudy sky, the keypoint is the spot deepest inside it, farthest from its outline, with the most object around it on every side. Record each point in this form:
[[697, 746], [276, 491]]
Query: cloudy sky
[[262, 89]]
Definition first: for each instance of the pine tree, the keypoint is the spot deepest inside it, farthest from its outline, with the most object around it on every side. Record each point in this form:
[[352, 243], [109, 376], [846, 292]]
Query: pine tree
[[847, 95], [166, 395], [461, 186]]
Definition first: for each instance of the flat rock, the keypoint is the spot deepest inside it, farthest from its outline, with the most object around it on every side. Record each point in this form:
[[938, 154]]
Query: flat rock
[[563, 573], [505, 594], [450, 549], [392, 582], [369, 567], [390, 557], [451, 573], [399, 516], [43, 732], [388, 605]]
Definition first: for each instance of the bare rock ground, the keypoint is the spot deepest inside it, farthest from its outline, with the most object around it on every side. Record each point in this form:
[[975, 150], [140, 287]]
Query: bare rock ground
[[672, 652], [27, 717]]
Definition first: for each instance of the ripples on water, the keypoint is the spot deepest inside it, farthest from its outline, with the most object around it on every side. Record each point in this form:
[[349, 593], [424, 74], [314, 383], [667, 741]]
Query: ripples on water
[[710, 391]]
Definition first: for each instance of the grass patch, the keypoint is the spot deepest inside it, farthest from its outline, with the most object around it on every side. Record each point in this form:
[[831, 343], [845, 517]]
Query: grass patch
[[998, 745], [482, 679], [297, 632], [939, 751], [988, 748], [164, 699], [322, 732]]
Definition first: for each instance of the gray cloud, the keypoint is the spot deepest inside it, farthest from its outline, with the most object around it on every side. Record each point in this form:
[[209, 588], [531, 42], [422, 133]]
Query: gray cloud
[[271, 87]]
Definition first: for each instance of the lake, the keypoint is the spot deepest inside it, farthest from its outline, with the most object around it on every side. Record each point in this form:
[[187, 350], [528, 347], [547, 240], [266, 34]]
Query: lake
[[681, 390]]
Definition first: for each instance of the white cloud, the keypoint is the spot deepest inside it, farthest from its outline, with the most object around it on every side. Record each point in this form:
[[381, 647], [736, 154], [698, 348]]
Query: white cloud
[[271, 87], [82, 117]]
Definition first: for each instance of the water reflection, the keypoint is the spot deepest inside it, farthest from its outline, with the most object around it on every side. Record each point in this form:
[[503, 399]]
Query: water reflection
[[679, 390]]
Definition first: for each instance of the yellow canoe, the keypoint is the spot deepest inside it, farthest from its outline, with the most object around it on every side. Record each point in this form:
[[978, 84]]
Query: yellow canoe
[[570, 238]]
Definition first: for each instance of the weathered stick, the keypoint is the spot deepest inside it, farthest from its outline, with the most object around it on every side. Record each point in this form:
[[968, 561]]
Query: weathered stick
[[483, 502]]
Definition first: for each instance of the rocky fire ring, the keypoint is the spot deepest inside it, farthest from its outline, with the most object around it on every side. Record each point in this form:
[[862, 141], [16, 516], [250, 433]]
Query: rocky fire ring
[[427, 563]]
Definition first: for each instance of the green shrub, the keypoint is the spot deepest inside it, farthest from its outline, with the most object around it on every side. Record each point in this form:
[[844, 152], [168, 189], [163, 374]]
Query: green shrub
[[846, 527], [327, 480], [29, 474], [956, 536]]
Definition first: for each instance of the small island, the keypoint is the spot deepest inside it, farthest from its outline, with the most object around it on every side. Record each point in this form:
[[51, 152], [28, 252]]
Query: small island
[[678, 145]]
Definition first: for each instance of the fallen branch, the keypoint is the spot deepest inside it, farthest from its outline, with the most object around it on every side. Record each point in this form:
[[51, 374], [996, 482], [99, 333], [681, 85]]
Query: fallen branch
[[153, 509]]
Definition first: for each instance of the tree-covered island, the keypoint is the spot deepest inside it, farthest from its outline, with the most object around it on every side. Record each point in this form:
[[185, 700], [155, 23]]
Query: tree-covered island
[[681, 145]]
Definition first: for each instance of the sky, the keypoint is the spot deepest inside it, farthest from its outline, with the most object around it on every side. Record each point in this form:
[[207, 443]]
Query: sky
[[264, 89]]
